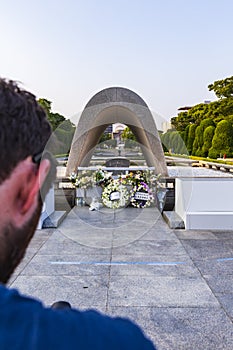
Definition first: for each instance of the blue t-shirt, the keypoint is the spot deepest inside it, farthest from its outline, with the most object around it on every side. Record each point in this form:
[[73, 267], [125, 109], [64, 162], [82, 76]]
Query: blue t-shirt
[[26, 325]]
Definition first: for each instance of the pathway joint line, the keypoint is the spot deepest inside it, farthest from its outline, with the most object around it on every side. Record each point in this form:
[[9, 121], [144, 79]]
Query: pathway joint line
[[224, 259], [118, 263]]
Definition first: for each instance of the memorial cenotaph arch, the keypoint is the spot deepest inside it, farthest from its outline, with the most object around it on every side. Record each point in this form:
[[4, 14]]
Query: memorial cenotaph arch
[[116, 105]]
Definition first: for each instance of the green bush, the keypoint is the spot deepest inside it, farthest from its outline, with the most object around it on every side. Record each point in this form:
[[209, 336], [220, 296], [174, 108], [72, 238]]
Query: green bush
[[206, 122], [222, 142], [186, 134], [207, 138], [191, 137], [130, 143], [195, 147]]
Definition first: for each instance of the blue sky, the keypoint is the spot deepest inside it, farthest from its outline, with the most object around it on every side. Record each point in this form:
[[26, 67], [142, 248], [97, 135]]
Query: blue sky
[[166, 51]]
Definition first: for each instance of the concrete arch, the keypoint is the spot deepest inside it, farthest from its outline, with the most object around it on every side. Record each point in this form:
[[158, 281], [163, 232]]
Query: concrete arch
[[114, 105]]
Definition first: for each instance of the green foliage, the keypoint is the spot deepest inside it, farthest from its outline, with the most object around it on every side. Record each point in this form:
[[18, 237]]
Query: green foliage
[[186, 134], [55, 119], [63, 129], [112, 143], [230, 118], [130, 143], [222, 88], [216, 111], [199, 112], [165, 138], [180, 122], [45, 104], [207, 139], [222, 142], [191, 137], [105, 137], [198, 142], [205, 115], [195, 146], [173, 142], [206, 122], [127, 134], [199, 137], [64, 139]]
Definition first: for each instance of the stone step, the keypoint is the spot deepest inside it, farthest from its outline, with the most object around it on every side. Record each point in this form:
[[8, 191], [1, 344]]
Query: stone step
[[54, 220], [173, 220]]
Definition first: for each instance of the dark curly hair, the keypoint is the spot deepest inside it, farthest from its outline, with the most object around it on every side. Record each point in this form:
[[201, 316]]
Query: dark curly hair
[[24, 128]]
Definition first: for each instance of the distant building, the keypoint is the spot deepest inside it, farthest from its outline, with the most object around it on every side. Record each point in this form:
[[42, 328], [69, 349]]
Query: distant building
[[117, 127], [108, 130], [184, 109], [117, 130], [166, 126]]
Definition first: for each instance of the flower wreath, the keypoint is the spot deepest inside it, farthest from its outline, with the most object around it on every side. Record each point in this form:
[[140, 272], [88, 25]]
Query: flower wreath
[[115, 195], [142, 196]]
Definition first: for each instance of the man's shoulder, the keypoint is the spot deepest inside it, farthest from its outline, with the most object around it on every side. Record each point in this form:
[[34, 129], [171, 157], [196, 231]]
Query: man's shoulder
[[64, 329]]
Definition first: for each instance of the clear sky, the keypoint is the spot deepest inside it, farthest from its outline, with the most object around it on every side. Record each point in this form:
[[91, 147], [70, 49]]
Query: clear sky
[[167, 51]]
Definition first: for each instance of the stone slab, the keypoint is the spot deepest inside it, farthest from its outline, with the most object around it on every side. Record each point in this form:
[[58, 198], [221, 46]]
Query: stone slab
[[173, 220], [220, 284], [160, 292], [54, 220], [226, 300], [206, 249], [155, 248], [72, 265], [182, 328], [192, 234], [71, 247], [123, 265], [80, 291]]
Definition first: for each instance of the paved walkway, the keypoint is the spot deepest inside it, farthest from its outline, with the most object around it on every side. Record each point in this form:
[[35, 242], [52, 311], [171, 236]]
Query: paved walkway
[[178, 285]]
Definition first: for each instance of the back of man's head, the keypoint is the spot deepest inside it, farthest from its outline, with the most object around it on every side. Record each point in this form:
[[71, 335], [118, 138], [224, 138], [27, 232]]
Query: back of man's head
[[24, 176], [24, 129]]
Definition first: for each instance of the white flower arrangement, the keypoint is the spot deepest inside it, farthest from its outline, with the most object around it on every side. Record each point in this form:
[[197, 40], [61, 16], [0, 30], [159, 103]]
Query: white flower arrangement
[[102, 177], [142, 196], [84, 179], [115, 195], [144, 185]]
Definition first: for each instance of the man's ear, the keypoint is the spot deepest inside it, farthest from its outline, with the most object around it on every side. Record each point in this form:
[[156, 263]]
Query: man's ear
[[34, 191], [27, 190]]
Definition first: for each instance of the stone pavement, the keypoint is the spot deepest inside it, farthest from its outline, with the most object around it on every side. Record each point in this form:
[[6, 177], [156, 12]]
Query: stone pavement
[[178, 285]]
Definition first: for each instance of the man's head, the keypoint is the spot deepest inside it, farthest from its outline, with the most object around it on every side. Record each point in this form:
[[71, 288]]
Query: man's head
[[24, 133]]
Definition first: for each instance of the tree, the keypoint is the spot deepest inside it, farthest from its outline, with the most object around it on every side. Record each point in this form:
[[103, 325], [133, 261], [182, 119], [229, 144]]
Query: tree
[[45, 104], [207, 139], [180, 122], [165, 139], [191, 137], [199, 135], [198, 141], [62, 128], [106, 136], [222, 88], [206, 122], [195, 147], [127, 134], [55, 119], [186, 134], [222, 142]]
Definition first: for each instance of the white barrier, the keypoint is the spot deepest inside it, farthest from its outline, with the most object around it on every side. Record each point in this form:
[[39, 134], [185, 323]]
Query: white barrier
[[205, 203], [48, 207]]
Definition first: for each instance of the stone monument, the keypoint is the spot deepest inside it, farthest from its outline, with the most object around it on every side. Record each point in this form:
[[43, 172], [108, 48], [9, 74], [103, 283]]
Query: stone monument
[[114, 105]]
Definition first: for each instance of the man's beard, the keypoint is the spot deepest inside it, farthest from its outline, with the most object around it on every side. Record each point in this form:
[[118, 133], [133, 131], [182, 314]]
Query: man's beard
[[13, 244]]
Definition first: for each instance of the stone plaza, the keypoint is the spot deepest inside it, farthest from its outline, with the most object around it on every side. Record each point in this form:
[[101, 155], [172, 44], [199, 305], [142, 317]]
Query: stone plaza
[[176, 284]]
